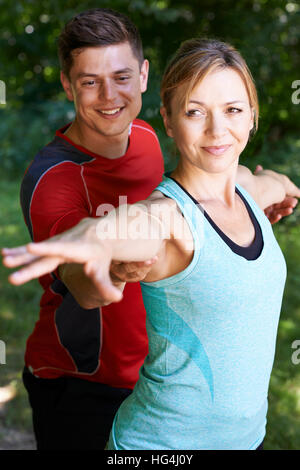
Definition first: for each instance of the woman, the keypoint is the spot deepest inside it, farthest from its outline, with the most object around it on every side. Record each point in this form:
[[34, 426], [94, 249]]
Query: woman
[[213, 297]]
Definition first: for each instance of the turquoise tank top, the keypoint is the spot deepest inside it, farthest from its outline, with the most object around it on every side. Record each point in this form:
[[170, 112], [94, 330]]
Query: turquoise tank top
[[212, 332]]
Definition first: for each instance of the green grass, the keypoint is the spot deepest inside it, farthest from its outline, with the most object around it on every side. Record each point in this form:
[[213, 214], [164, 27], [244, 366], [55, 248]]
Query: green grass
[[19, 311]]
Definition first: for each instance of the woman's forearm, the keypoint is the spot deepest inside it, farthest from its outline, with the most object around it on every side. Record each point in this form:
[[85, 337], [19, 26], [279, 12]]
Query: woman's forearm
[[266, 186], [131, 233], [271, 187]]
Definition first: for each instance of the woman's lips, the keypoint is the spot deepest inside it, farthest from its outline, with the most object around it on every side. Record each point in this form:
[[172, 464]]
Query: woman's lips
[[217, 150]]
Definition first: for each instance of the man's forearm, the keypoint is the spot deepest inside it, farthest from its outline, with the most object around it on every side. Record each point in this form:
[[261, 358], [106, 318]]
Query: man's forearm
[[81, 286], [127, 238]]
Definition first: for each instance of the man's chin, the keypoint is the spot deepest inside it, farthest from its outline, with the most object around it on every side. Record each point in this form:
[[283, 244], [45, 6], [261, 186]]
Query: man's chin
[[113, 133]]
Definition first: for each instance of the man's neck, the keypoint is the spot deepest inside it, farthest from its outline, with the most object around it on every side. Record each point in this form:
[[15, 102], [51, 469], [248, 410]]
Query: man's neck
[[110, 147]]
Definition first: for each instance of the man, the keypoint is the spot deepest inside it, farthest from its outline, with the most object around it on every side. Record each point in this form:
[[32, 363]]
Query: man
[[83, 361]]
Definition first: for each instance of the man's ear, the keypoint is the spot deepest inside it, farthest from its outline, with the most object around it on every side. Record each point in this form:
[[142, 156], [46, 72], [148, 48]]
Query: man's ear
[[166, 120], [144, 75], [66, 86]]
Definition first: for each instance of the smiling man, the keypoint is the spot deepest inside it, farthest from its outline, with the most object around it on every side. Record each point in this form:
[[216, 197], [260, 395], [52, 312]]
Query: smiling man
[[106, 84], [83, 358]]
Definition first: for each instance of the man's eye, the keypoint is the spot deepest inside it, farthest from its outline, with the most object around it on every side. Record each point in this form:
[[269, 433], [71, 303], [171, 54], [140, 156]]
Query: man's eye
[[89, 83], [123, 78]]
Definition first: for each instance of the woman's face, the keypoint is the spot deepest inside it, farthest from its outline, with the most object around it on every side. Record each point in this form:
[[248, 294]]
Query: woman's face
[[214, 129]]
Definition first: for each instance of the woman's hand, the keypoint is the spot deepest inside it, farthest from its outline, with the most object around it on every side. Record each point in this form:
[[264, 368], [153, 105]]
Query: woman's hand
[[78, 245]]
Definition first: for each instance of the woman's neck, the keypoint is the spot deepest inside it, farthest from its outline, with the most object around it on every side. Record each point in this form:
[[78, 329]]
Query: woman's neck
[[204, 186]]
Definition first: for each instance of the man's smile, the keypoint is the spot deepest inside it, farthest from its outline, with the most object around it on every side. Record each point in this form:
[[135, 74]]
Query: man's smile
[[109, 111]]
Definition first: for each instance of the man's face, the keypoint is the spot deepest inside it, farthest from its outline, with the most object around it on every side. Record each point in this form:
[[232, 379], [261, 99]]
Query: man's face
[[106, 84]]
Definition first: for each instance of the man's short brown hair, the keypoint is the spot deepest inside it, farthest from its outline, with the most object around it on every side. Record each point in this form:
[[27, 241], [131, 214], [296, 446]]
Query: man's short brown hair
[[94, 28]]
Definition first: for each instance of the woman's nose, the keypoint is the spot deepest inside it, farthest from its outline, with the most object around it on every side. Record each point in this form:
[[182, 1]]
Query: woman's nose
[[216, 125]]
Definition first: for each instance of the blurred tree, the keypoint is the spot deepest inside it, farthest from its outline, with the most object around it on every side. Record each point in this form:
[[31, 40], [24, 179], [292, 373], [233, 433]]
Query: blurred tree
[[266, 32]]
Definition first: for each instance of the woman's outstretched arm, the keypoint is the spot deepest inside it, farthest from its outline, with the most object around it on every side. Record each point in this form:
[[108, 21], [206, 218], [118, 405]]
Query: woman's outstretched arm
[[129, 233]]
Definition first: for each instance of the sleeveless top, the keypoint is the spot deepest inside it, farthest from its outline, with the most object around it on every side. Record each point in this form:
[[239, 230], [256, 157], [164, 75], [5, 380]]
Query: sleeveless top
[[249, 252], [212, 333]]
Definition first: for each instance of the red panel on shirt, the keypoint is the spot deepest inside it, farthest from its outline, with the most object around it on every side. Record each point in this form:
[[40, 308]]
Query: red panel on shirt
[[64, 184]]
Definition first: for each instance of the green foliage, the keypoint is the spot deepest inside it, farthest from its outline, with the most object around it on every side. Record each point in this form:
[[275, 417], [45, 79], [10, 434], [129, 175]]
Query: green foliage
[[266, 32]]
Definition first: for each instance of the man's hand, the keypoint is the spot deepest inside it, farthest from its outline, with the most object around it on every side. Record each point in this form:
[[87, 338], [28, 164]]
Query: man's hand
[[130, 272], [275, 212]]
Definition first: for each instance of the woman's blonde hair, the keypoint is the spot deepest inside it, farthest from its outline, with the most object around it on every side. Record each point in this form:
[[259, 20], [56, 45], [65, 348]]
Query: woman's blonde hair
[[194, 60]]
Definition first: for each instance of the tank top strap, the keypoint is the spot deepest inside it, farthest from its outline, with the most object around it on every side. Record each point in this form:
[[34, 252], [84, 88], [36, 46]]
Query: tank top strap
[[258, 212], [190, 211]]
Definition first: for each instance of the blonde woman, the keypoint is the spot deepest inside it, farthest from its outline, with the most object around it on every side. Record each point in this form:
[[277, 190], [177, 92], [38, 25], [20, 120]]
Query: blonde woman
[[213, 297]]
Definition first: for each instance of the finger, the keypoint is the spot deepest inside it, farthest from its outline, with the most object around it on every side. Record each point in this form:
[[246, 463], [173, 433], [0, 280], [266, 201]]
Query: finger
[[137, 276], [12, 261], [293, 190], [287, 202], [69, 251], [292, 201], [34, 270], [258, 169], [273, 220], [99, 274], [134, 266], [282, 212], [151, 261], [108, 292], [19, 250]]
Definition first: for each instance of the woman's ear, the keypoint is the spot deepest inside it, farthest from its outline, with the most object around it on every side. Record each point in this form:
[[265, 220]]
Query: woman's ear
[[167, 121]]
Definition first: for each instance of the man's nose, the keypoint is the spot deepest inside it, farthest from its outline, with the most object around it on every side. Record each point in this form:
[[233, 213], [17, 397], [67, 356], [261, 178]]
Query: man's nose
[[108, 90]]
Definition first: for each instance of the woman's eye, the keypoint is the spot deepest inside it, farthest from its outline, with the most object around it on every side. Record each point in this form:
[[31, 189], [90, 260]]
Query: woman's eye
[[194, 112], [234, 110]]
